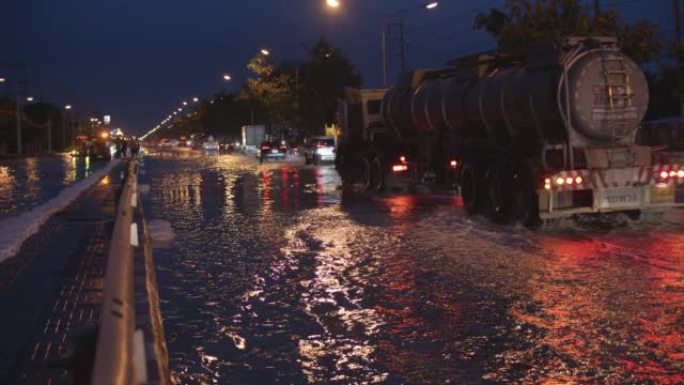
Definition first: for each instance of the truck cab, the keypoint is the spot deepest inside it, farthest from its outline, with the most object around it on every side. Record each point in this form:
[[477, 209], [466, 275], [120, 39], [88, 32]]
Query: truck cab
[[359, 115]]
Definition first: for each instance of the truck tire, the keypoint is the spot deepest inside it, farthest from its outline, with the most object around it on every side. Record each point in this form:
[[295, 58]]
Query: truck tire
[[378, 175], [526, 203], [499, 197], [470, 189]]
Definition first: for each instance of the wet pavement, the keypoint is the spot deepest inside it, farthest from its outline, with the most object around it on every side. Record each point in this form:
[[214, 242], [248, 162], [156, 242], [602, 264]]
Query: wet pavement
[[51, 291], [278, 276], [29, 181]]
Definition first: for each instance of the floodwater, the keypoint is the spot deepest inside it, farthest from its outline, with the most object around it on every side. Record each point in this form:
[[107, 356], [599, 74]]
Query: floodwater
[[276, 276], [29, 181]]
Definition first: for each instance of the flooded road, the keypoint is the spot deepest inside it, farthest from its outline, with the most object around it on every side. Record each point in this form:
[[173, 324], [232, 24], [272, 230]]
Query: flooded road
[[27, 182], [276, 276]]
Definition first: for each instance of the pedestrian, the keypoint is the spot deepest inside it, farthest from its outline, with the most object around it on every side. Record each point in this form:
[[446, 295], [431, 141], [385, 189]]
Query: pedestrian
[[117, 153], [124, 148]]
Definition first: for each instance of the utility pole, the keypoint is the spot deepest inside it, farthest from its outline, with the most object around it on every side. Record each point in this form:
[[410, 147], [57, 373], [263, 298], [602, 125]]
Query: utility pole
[[402, 41], [49, 136], [383, 39], [17, 97], [17, 104], [64, 128], [680, 54]]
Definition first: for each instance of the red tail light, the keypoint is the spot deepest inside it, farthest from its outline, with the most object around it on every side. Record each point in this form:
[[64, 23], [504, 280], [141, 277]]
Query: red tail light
[[453, 164], [399, 168], [265, 147]]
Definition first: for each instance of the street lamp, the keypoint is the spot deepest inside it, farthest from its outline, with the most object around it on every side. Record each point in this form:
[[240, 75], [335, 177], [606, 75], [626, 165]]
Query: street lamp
[[67, 107], [265, 52], [29, 98], [185, 103], [2, 80], [226, 77], [333, 3], [195, 99]]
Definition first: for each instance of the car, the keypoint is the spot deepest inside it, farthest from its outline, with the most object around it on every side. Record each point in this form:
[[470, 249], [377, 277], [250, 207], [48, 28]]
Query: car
[[210, 145], [319, 149], [272, 149]]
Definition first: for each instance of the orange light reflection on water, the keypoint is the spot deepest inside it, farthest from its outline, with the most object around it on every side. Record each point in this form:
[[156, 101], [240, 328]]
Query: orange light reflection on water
[[7, 183], [595, 313]]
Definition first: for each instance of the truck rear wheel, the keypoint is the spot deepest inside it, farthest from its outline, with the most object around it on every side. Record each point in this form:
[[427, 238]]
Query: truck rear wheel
[[470, 188], [378, 175], [526, 204], [499, 202]]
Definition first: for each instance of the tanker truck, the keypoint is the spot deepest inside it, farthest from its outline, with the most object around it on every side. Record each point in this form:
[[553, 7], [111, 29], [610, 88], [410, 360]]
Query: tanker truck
[[532, 135]]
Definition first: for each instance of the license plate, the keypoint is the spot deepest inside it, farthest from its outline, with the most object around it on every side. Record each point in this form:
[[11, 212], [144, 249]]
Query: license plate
[[662, 194], [620, 197], [274, 151]]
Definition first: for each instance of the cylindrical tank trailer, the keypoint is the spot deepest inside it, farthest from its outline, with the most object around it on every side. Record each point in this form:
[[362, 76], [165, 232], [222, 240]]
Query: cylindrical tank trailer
[[597, 96]]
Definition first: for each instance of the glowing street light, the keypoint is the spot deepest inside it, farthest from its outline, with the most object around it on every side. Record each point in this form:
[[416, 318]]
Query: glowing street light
[[29, 98], [195, 99], [432, 5], [226, 77], [67, 107], [2, 80], [185, 103], [180, 109], [333, 3], [265, 52]]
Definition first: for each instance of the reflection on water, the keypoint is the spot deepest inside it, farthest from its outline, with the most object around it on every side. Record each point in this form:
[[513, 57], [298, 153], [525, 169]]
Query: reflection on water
[[278, 276], [29, 181]]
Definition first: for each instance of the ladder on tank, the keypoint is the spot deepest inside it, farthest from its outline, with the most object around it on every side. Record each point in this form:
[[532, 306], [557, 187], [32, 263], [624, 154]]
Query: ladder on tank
[[618, 88], [618, 98]]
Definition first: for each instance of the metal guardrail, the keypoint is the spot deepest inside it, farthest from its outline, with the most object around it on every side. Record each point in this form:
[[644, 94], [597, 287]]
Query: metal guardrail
[[115, 355]]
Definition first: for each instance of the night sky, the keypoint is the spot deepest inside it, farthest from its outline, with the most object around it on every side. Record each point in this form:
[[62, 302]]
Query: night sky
[[139, 59]]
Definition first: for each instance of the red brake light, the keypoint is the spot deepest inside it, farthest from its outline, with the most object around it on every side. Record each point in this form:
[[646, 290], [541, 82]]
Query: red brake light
[[664, 174], [399, 168], [402, 159], [453, 164]]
